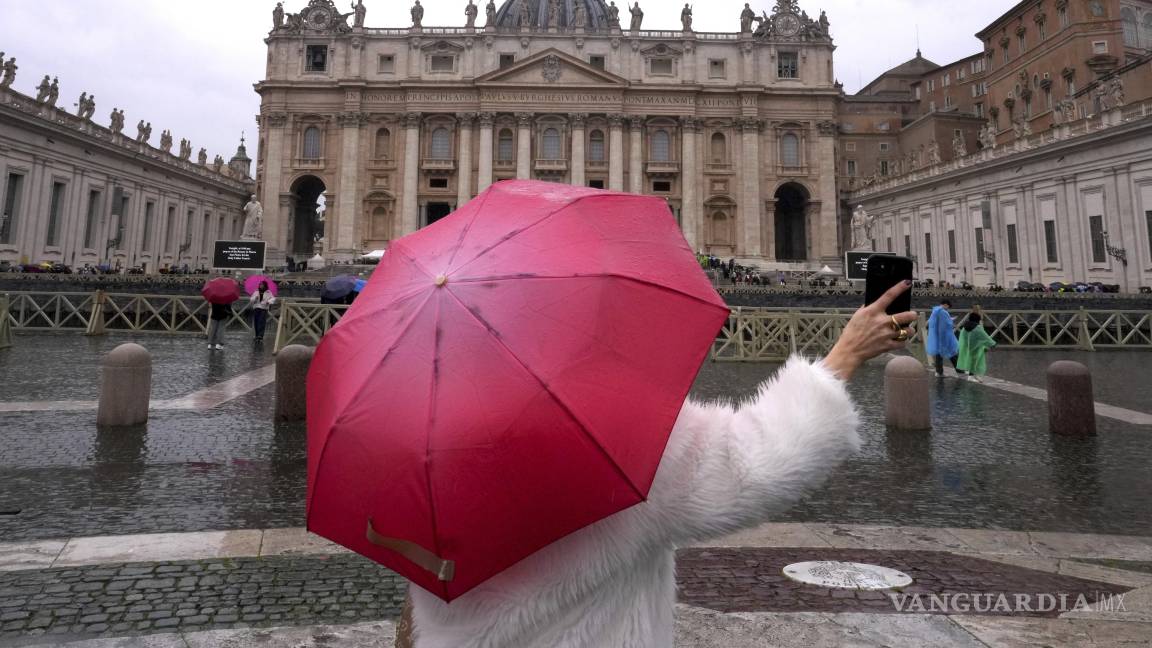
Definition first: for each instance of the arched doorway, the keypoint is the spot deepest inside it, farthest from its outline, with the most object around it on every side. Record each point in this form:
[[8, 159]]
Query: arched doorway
[[306, 225], [792, 222]]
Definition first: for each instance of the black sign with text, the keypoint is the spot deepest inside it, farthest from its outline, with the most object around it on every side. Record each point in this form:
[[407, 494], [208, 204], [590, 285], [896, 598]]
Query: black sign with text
[[239, 255], [856, 265]]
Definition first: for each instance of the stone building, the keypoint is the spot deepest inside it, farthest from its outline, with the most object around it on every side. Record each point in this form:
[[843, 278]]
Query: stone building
[[77, 193], [398, 126]]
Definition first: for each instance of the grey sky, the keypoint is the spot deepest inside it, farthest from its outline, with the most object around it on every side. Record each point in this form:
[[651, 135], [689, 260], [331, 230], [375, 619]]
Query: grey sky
[[189, 65]]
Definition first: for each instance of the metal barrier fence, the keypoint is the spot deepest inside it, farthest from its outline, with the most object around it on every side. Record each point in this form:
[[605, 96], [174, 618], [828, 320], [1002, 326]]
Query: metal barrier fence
[[772, 335], [5, 324], [305, 322]]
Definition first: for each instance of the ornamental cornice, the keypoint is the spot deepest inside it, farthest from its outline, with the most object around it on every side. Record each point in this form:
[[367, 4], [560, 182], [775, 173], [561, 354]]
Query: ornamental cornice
[[577, 119], [523, 119], [616, 120], [487, 119]]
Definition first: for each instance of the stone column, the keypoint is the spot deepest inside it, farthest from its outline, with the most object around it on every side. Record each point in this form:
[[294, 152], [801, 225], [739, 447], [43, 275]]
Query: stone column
[[690, 219], [750, 190], [826, 242], [275, 229], [1123, 225], [768, 229], [524, 145], [409, 216], [343, 239], [635, 155], [485, 176], [577, 121], [616, 152], [464, 178]]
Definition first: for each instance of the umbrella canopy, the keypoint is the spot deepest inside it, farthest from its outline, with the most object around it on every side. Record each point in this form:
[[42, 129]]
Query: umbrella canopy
[[360, 284], [374, 254], [338, 287], [509, 376], [221, 290], [252, 284]]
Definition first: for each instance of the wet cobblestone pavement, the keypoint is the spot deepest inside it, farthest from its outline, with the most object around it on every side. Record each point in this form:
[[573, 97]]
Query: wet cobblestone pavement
[[989, 462]]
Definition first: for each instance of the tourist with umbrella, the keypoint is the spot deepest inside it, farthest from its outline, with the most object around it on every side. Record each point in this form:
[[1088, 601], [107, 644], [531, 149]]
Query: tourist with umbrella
[[263, 293], [220, 293], [503, 420]]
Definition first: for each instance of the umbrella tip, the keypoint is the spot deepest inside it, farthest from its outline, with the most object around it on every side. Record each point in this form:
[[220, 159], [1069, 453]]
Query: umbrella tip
[[441, 280]]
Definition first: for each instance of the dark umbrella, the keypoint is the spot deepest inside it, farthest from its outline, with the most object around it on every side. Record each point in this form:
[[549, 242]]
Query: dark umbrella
[[221, 290], [338, 287]]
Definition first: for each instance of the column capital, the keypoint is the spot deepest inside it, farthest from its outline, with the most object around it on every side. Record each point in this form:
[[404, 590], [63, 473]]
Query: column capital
[[750, 124], [276, 119], [577, 119], [523, 119], [412, 120], [487, 119], [615, 120], [351, 119], [636, 122], [466, 119], [689, 123]]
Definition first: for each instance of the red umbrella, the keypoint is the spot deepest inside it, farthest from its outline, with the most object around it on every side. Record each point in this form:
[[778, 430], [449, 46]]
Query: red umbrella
[[221, 290], [252, 284], [509, 376]]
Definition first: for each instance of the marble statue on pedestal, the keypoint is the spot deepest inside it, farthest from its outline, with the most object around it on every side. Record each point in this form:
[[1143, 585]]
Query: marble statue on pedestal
[[54, 92], [686, 17], [166, 141], [360, 12], [43, 89], [613, 15], [470, 12], [490, 13], [202, 157], [746, 18], [959, 148], [862, 226], [579, 16], [9, 73], [278, 16], [417, 15], [253, 220], [637, 17]]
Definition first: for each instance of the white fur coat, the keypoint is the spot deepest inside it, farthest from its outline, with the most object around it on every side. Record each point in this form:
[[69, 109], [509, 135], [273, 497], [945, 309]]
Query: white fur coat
[[612, 584]]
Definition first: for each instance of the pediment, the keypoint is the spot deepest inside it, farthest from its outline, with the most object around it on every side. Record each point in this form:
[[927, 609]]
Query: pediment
[[551, 67], [661, 50], [442, 46]]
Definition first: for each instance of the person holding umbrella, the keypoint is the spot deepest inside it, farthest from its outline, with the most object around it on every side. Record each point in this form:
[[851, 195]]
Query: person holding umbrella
[[504, 420], [261, 300], [220, 293]]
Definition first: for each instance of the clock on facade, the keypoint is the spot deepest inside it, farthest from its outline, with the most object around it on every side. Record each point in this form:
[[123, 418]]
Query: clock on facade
[[787, 24]]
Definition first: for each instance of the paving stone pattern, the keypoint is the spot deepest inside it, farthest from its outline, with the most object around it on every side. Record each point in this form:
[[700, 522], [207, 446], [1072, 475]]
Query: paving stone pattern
[[148, 598], [751, 580]]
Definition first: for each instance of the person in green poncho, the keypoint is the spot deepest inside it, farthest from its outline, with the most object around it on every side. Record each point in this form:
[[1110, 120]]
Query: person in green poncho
[[974, 345]]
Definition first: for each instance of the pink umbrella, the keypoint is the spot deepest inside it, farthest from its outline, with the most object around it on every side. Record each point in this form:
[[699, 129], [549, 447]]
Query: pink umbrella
[[252, 284]]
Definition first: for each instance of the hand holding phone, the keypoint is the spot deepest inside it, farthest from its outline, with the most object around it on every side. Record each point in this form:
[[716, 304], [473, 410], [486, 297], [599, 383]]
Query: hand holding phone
[[884, 272]]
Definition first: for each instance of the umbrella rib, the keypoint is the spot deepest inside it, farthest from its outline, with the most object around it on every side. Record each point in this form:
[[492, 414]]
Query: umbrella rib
[[555, 397], [602, 275], [432, 388], [468, 228]]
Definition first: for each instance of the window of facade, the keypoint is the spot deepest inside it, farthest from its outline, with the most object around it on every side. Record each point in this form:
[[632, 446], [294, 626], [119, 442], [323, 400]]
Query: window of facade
[[719, 148], [661, 186], [596, 61], [947, 80], [1146, 37], [931, 85], [980, 259], [888, 247], [596, 146], [316, 58], [311, 150], [383, 147], [442, 63], [907, 245], [1013, 245], [55, 205], [206, 233], [790, 150], [386, 64], [978, 109], [787, 65], [928, 248], [960, 74], [884, 146], [1022, 43], [947, 101], [716, 69], [850, 168], [149, 216], [437, 183], [1050, 241], [1148, 229], [660, 66], [1096, 231], [661, 146], [850, 147], [596, 184], [1099, 47], [1043, 28], [506, 60], [1131, 27], [169, 228], [1006, 55], [505, 146], [91, 219], [13, 191], [550, 143], [952, 247], [883, 167], [441, 148], [188, 225], [1062, 13]]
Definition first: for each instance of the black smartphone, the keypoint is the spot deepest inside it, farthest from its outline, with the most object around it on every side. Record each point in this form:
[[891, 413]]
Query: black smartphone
[[885, 271]]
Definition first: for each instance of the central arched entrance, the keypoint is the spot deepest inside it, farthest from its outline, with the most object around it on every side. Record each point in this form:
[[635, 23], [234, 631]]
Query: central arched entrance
[[306, 225], [792, 222]]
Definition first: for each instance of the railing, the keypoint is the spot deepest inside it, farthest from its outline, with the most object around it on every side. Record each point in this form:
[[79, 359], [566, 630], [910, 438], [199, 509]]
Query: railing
[[772, 335], [438, 164], [5, 324], [662, 168], [305, 323], [551, 165]]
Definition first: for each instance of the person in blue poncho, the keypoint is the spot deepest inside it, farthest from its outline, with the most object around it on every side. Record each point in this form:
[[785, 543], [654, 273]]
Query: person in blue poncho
[[941, 342]]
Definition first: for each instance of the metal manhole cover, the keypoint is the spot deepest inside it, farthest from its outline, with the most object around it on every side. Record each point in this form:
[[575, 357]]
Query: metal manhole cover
[[847, 575]]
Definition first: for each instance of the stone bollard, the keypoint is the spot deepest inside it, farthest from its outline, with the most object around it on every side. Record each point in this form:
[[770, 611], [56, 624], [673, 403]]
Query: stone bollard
[[906, 395], [1071, 405], [291, 372], [126, 387]]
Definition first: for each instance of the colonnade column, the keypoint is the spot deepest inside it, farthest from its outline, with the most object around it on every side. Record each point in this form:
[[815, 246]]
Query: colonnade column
[[410, 218], [577, 121], [690, 202], [346, 203], [464, 177], [635, 157], [616, 152], [275, 229], [485, 167], [524, 146], [750, 195]]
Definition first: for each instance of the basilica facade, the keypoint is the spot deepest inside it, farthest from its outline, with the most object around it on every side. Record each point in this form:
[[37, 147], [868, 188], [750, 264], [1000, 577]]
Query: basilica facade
[[397, 126]]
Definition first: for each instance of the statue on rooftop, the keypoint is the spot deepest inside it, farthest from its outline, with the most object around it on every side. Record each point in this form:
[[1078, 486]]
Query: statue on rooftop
[[959, 148], [116, 121], [525, 15], [417, 15], [637, 17], [359, 11], [746, 18], [166, 141], [686, 17], [553, 14], [43, 89], [470, 12], [54, 92], [613, 15], [579, 16], [202, 157], [490, 14], [278, 16], [9, 73]]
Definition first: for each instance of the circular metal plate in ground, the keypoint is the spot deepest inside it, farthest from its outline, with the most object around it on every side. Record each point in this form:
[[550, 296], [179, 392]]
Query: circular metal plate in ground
[[847, 575]]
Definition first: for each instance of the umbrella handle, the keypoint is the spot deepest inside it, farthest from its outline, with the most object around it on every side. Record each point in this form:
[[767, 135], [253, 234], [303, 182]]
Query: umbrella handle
[[445, 570]]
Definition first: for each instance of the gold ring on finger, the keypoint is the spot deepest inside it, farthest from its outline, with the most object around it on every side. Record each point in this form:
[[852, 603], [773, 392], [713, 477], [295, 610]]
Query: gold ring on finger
[[903, 336], [896, 326]]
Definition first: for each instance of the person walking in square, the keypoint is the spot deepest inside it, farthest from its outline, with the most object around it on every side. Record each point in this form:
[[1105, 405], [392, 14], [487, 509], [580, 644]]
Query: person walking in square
[[260, 302], [941, 341], [218, 321], [974, 345]]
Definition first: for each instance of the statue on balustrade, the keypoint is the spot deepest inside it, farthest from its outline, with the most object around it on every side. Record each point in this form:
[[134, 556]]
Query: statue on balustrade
[[933, 152], [417, 15], [278, 16], [116, 121], [613, 15], [579, 16], [86, 106], [217, 162], [185, 149], [686, 17], [54, 92], [360, 12], [525, 15], [1116, 92], [959, 148], [43, 89], [202, 157], [553, 14], [490, 14], [166, 141], [746, 18], [9, 73], [637, 17], [470, 12]]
